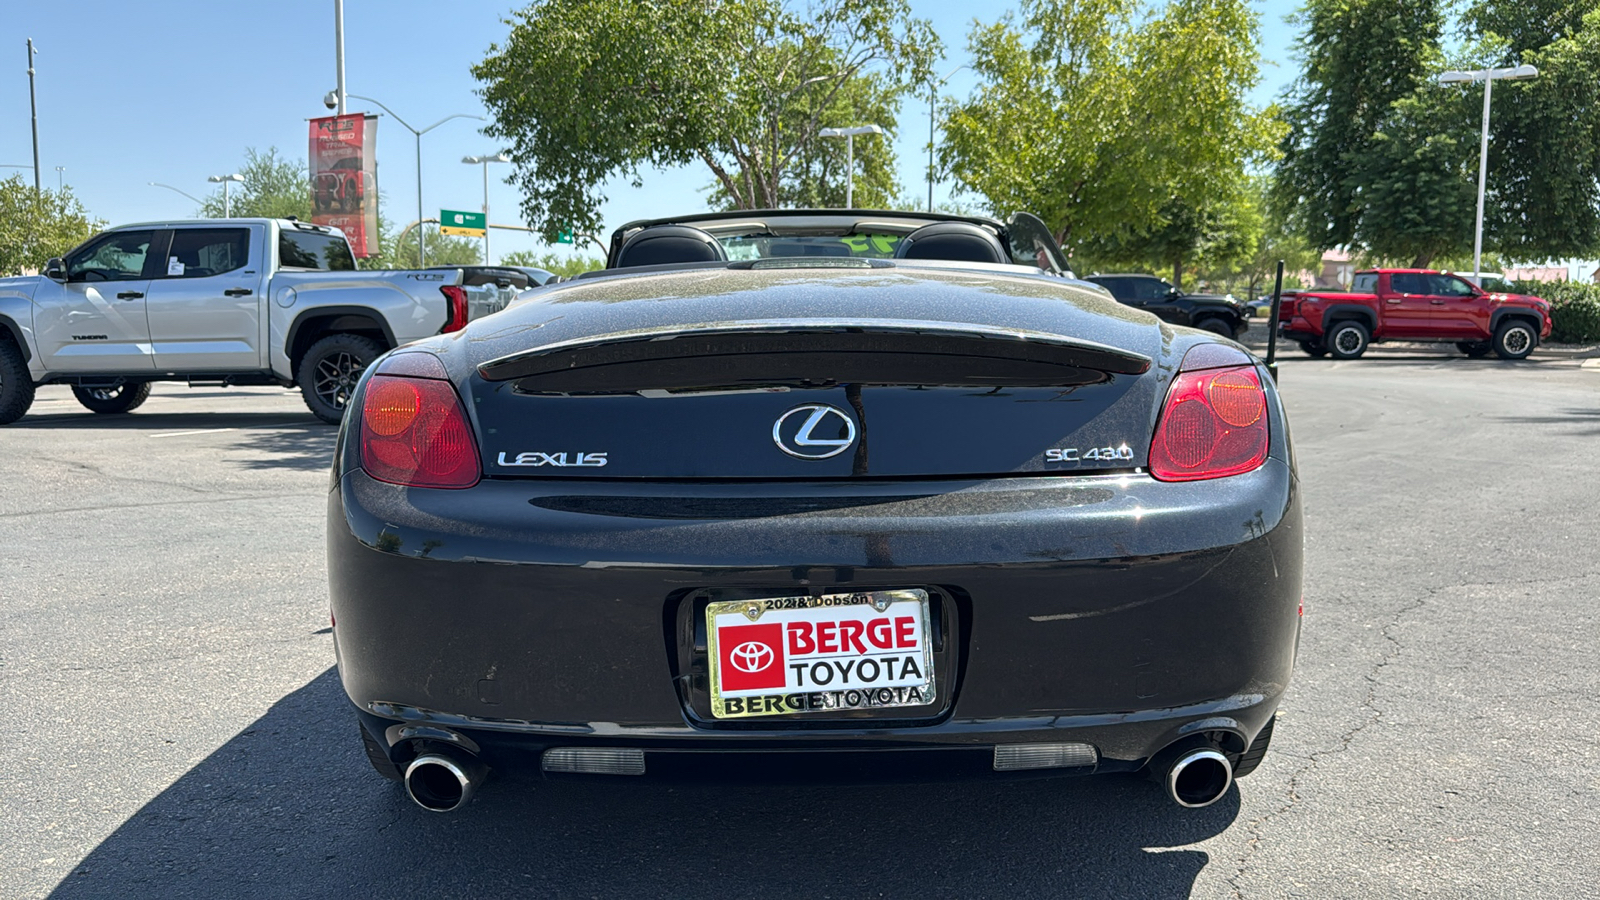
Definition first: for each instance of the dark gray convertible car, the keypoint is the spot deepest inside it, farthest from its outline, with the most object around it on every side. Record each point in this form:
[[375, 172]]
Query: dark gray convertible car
[[915, 508]]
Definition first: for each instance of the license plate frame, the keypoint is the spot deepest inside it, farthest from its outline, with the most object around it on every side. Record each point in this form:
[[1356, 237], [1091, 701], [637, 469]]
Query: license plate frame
[[903, 675]]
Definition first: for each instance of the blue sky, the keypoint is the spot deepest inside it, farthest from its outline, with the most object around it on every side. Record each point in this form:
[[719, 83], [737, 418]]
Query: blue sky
[[174, 91]]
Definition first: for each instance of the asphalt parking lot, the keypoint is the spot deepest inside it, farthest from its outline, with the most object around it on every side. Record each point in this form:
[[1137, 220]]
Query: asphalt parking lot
[[174, 727]]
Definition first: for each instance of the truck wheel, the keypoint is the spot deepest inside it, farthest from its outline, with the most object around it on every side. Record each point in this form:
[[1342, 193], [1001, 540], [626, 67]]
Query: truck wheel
[[1515, 339], [329, 372], [120, 399], [16, 387], [1475, 349], [1348, 339], [1258, 750], [1216, 326]]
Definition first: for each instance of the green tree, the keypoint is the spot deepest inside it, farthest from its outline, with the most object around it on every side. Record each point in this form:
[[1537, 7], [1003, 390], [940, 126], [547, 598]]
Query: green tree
[[37, 225], [565, 266], [585, 90], [400, 251], [273, 188], [1359, 58], [1275, 239], [1110, 124]]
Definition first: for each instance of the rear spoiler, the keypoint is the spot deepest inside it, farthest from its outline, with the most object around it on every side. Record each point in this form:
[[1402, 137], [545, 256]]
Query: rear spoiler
[[931, 344]]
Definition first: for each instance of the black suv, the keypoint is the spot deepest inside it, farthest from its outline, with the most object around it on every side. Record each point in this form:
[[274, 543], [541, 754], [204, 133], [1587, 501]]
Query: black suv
[[1212, 312]]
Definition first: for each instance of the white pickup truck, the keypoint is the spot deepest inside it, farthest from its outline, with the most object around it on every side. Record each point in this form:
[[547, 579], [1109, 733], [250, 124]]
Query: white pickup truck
[[221, 302]]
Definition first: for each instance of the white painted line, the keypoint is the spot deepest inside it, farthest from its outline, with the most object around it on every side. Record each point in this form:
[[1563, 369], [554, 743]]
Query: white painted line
[[187, 433], [1590, 364]]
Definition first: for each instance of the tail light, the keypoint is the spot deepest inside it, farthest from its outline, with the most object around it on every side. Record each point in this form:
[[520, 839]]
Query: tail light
[[1213, 424], [457, 297], [414, 431]]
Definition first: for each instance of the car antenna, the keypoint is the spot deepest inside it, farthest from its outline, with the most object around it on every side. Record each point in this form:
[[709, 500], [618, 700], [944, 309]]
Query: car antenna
[[1272, 325]]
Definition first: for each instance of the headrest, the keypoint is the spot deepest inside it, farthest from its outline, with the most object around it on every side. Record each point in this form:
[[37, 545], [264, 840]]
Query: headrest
[[958, 241], [667, 244]]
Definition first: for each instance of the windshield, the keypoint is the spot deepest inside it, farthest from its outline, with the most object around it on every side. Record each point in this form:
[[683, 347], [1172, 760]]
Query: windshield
[[770, 246]]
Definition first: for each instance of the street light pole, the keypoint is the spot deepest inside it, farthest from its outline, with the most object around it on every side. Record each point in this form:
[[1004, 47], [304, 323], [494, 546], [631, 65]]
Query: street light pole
[[59, 170], [171, 188], [1489, 77], [338, 51], [227, 207], [422, 249], [849, 135], [484, 161], [33, 104]]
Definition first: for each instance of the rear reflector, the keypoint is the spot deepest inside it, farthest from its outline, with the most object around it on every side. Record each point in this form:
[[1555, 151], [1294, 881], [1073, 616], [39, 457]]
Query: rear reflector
[[414, 433], [1214, 424], [594, 760], [1014, 757]]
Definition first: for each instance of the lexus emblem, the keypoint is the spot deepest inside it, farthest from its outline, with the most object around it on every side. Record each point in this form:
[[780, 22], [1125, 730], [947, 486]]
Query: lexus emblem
[[751, 656], [814, 431]]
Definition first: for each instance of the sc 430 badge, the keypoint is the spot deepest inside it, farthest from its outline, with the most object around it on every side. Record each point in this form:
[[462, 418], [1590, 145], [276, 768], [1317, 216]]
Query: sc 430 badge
[[1090, 454]]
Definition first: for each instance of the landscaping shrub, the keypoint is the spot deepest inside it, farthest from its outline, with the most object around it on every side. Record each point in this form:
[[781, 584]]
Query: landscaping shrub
[[1574, 309]]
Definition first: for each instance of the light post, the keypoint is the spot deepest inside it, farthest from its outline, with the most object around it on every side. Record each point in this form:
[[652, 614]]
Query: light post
[[933, 92], [33, 105], [422, 249], [1489, 77], [484, 161], [59, 178], [227, 206], [849, 135], [171, 188]]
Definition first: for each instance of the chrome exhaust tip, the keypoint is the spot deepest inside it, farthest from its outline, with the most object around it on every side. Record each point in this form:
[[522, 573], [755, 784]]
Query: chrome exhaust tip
[[1198, 777], [441, 783]]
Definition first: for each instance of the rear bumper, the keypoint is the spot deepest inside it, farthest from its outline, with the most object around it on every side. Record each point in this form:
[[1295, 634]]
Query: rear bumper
[[1111, 610]]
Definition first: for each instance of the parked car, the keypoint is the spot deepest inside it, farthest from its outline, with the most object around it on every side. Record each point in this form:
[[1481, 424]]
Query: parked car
[[1414, 305], [631, 524], [1218, 313], [209, 302]]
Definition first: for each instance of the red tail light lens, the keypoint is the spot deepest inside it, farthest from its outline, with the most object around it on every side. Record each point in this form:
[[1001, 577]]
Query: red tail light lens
[[457, 297], [1214, 424], [415, 433]]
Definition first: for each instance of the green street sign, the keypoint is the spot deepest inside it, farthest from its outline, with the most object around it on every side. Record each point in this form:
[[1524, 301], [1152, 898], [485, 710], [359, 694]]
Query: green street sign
[[466, 224], [564, 236]]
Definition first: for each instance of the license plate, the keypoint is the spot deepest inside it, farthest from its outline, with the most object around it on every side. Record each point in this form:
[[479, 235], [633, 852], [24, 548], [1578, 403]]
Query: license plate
[[833, 653]]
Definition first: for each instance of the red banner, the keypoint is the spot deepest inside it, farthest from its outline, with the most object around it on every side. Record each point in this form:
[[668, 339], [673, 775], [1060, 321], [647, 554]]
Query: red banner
[[344, 184]]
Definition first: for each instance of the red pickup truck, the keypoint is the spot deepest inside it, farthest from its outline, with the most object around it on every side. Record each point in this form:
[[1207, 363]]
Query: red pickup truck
[[1414, 305]]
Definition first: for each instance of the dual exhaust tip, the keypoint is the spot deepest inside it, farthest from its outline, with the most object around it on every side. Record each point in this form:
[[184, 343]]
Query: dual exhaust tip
[[1194, 774]]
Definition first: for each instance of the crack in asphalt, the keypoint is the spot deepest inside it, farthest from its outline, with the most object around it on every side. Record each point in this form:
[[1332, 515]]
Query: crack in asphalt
[[1369, 702]]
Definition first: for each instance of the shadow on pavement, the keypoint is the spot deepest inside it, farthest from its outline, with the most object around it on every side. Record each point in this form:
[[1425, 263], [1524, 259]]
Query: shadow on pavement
[[290, 808], [309, 448]]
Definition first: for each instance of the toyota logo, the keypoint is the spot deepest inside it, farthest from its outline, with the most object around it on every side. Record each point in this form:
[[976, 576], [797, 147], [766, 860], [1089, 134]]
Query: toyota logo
[[750, 656], [814, 431]]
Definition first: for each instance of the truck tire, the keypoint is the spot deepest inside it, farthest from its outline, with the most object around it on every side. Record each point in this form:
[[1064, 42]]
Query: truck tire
[[1216, 326], [112, 400], [1314, 349], [1475, 349], [1348, 339], [329, 372], [16, 386], [1515, 339]]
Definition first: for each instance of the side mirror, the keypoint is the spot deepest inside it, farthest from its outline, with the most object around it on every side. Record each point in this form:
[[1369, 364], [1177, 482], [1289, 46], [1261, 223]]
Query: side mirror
[[56, 269]]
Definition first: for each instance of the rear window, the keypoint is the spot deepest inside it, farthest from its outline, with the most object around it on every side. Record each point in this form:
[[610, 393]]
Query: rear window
[[313, 250], [1365, 283]]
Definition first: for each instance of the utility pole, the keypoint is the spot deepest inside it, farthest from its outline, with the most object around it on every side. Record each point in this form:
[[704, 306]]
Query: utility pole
[[33, 101]]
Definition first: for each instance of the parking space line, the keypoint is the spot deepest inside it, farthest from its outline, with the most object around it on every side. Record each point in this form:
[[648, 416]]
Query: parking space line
[[186, 433]]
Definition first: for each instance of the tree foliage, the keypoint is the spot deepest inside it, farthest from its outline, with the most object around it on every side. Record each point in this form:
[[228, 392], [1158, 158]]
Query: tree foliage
[[585, 90], [565, 266], [1127, 133], [273, 188], [400, 251], [1382, 159], [37, 225]]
